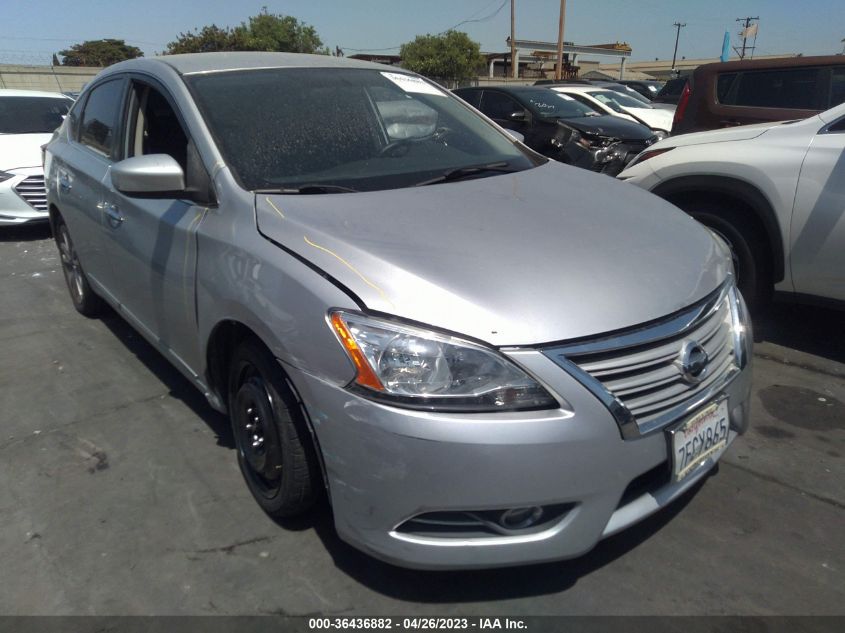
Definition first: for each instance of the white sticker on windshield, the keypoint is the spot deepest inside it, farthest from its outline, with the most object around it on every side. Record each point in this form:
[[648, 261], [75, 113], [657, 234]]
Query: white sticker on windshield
[[563, 96], [413, 84]]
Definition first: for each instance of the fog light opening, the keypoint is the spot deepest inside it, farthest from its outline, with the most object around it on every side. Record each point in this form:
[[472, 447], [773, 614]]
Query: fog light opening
[[520, 518]]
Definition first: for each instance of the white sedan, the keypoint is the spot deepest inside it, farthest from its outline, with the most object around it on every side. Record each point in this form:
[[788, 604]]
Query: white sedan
[[773, 191], [621, 105], [27, 121]]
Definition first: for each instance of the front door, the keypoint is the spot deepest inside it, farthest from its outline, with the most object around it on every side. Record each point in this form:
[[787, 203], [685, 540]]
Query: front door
[[818, 220], [153, 240]]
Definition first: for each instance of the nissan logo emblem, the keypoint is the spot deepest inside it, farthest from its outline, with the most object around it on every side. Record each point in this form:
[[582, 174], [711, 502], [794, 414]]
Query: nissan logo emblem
[[692, 362]]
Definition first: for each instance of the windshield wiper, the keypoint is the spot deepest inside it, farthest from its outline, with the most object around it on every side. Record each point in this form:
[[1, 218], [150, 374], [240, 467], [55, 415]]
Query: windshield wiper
[[460, 173], [310, 188]]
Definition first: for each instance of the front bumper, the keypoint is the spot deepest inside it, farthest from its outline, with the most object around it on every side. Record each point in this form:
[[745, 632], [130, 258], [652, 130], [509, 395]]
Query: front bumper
[[14, 207], [385, 465]]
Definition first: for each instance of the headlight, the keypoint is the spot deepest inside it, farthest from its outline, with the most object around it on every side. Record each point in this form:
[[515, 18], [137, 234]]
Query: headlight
[[5, 176], [412, 367], [740, 327], [647, 154]]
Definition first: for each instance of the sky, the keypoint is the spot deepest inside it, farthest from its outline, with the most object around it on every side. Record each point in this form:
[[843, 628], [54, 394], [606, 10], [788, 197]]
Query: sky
[[34, 29]]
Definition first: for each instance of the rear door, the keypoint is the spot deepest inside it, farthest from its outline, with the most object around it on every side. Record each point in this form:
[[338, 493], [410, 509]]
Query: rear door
[[81, 173], [152, 240], [818, 220]]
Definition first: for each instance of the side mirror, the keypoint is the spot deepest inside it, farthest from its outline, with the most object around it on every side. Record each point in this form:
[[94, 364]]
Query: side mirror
[[518, 117], [517, 136], [155, 175]]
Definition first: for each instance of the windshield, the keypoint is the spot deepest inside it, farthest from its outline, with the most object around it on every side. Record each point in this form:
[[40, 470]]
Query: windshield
[[616, 100], [32, 115], [309, 130], [550, 104]]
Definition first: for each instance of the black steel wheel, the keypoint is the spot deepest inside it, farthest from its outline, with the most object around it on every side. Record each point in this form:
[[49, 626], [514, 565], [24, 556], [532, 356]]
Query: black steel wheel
[[275, 452]]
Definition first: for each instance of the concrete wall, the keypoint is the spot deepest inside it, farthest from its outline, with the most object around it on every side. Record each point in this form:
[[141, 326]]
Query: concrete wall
[[49, 78]]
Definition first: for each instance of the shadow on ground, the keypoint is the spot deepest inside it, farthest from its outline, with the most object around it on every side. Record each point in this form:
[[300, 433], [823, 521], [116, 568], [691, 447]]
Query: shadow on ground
[[26, 232], [810, 329], [179, 386]]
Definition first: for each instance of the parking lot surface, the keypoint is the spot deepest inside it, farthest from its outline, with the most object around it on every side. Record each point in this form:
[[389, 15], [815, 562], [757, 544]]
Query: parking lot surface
[[120, 492]]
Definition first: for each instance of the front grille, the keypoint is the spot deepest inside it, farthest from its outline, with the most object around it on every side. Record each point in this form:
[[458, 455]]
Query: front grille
[[641, 372], [32, 190]]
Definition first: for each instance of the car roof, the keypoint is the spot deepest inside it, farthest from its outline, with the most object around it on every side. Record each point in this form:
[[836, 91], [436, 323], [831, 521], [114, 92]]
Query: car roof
[[195, 63], [9, 92], [770, 63]]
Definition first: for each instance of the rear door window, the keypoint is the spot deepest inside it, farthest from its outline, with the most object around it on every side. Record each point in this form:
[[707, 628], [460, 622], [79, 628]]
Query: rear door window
[[796, 88], [97, 128], [498, 106]]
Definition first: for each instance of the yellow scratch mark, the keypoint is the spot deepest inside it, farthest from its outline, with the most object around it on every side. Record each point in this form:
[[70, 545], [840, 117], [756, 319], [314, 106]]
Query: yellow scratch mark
[[277, 209], [352, 268]]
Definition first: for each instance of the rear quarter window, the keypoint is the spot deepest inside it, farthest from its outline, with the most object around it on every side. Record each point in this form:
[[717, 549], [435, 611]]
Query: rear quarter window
[[837, 86], [795, 88]]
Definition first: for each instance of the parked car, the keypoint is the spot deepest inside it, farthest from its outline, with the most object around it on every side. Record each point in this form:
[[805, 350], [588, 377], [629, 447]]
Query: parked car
[[560, 127], [621, 88], [646, 88], [773, 191], [759, 90], [27, 121], [671, 91], [483, 356], [620, 105]]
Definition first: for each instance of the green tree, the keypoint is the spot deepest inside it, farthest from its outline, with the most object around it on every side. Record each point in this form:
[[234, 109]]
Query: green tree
[[262, 32], [99, 53], [452, 56], [268, 32], [210, 39]]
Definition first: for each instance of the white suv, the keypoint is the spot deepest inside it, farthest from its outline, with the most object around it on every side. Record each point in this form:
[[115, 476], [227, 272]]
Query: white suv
[[27, 121], [775, 192]]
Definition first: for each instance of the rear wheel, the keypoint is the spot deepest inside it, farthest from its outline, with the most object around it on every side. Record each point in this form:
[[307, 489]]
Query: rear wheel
[[750, 253], [275, 453], [84, 299]]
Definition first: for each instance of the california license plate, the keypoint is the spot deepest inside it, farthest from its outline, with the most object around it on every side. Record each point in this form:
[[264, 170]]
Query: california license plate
[[703, 435]]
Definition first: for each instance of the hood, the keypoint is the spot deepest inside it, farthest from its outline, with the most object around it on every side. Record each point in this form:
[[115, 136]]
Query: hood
[[739, 133], [542, 255], [609, 125], [21, 150], [656, 119]]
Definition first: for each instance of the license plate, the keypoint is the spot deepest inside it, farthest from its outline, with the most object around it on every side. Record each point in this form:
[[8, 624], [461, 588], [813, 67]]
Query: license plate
[[703, 435]]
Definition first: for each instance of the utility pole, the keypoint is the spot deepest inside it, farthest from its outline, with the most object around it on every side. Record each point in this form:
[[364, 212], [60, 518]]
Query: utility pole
[[559, 66], [514, 68], [745, 36], [678, 26]]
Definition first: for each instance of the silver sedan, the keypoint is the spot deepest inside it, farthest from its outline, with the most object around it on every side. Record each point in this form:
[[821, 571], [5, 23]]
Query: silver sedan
[[483, 357]]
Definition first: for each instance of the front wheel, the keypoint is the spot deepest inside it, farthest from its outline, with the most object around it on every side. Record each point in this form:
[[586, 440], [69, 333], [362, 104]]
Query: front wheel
[[275, 453], [84, 299], [749, 252]]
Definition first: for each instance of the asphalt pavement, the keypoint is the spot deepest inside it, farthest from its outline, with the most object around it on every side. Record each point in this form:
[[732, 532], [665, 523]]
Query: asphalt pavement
[[120, 492]]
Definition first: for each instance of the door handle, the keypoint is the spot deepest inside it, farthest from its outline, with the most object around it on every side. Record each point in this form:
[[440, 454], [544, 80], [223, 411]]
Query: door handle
[[115, 219]]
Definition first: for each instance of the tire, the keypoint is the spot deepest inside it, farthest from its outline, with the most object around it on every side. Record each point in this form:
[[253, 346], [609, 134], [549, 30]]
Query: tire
[[750, 253], [84, 299], [275, 452]]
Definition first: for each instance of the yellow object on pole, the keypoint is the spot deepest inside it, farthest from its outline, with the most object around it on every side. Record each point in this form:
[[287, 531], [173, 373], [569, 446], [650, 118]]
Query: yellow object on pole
[[559, 66]]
